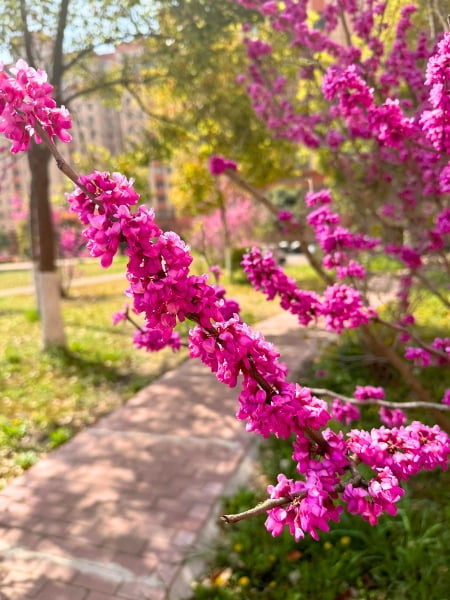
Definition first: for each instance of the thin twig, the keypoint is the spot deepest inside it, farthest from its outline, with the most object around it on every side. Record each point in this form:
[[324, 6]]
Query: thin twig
[[431, 287], [61, 161], [259, 509], [385, 403], [414, 337], [258, 195]]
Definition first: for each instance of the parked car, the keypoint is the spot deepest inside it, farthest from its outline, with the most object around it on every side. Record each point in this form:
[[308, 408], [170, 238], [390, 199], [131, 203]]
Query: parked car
[[294, 247]]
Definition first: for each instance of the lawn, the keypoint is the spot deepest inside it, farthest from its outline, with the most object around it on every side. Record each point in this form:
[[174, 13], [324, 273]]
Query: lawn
[[87, 267], [47, 397]]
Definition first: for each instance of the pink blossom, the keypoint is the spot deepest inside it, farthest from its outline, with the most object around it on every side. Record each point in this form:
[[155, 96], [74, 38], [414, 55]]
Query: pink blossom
[[435, 121], [311, 508], [368, 392], [154, 340], [343, 308], [266, 276], [25, 99], [420, 357], [318, 198], [392, 418], [406, 450], [344, 411], [216, 271], [381, 496], [120, 315], [218, 165], [285, 215]]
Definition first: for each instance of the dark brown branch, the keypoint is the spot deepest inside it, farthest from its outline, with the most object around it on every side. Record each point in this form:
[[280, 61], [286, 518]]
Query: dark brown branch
[[27, 34], [132, 321], [58, 55], [258, 195], [414, 337]]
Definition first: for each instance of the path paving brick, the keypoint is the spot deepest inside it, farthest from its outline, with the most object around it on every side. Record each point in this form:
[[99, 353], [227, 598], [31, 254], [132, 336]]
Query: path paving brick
[[121, 511]]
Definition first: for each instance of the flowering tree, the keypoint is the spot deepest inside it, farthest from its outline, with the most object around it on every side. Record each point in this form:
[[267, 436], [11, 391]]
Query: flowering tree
[[360, 470], [234, 225]]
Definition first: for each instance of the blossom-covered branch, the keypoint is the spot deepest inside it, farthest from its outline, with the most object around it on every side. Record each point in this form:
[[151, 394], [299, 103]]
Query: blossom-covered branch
[[162, 289]]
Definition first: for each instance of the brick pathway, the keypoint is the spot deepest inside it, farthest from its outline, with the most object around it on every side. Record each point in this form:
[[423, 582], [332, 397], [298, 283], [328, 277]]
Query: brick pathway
[[126, 509]]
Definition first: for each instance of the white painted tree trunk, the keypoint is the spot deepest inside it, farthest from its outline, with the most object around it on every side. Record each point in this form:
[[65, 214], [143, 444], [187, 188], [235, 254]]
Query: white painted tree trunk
[[50, 308], [37, 291]]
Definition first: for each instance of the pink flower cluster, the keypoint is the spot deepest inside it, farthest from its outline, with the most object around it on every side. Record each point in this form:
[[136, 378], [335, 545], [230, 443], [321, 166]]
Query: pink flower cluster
[[153, 340], [381, 495], [219, 164], [406, 450], [269, 403], [392, 418], [341, 305], [344, 411], [266, 276], [343, 308], [228, 307], [337, 242], [310, 509], [435, 122], [438, 353], [368, 392], [25, 99], [158, 267]]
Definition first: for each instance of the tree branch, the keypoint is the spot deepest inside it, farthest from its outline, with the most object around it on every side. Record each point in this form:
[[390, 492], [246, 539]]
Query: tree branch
[[432, 288], [123, 81], [385, 403], [27, 35], [414, 337], [258, 195], [58, 56], [63, 166]]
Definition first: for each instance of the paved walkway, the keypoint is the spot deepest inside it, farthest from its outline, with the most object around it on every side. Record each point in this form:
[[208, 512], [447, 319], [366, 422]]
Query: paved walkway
[[77, 282], [126, 509]]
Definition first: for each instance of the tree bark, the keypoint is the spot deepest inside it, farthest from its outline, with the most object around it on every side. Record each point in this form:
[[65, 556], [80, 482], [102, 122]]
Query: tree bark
[[226, 239], [48, 289]]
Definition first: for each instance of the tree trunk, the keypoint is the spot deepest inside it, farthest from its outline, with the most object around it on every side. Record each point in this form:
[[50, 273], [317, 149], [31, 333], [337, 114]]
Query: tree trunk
[[43, 248], [226, 241]]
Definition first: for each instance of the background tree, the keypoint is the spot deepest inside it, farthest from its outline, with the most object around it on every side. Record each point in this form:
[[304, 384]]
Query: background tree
[[199, 108], [62, 38]]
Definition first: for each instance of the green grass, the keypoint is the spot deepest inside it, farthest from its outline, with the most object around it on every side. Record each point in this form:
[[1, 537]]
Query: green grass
[[87, 267], [48, 396], [402, 558]]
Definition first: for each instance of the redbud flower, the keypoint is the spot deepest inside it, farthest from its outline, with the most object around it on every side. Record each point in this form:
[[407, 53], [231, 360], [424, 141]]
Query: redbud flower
[[392, 418], [25, 99], [344, 411], [218, 165], [421, 357], [368, 392]]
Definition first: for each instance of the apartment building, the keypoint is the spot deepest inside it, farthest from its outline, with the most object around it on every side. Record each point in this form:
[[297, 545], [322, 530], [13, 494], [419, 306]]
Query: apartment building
[[94, 123]]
